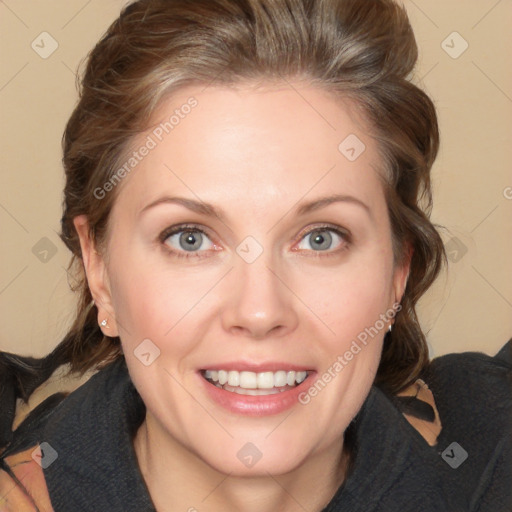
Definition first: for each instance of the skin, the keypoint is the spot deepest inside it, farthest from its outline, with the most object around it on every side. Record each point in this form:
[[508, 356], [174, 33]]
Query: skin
[[256, 154]]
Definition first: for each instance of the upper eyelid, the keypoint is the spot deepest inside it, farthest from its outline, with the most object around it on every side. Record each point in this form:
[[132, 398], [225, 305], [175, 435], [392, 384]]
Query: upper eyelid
[[326, 227], [173, 230]]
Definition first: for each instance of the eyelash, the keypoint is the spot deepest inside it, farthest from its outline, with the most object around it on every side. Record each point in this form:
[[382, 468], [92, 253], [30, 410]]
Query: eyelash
[[343, 234]]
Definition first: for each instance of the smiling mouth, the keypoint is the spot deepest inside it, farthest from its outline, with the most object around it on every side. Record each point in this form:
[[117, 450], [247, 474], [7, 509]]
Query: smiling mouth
[[255, 384]]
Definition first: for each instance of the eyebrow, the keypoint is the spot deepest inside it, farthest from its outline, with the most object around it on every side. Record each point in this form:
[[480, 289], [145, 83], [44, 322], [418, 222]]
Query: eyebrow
[[322, 202], [207, 209], [191, 204]]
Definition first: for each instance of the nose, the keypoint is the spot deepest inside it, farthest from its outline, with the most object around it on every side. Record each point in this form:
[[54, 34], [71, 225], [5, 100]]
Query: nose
[[260, 303]]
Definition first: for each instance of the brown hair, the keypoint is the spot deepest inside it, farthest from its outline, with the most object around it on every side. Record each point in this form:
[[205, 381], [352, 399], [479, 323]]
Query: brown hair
[[363, 50]]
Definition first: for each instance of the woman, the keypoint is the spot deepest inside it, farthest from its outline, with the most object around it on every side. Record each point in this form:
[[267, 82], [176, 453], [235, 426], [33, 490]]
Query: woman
[[247, 203]]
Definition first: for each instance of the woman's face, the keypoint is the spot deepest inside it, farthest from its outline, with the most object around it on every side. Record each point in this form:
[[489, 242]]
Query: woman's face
[[249, 237]]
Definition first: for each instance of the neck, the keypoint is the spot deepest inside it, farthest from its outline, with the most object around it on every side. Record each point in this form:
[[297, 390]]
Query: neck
[[177, 479]]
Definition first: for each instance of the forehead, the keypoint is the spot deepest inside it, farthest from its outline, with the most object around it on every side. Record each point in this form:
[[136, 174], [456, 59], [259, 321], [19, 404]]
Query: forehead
[[274, 144]]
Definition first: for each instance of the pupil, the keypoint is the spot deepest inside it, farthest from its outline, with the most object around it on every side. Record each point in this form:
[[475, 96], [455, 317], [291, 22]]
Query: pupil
[[190, 241]]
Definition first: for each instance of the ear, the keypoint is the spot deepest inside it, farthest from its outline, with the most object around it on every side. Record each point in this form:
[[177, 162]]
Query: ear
[[97, 277], [401, 274]]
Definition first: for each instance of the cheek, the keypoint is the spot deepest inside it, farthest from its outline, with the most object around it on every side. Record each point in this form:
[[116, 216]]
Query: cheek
[[351, 302], [147, 306], [157, 301], [352, 297]]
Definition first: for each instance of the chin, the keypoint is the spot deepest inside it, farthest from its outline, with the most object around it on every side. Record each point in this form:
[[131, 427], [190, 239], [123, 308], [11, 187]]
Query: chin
[[273, 464]]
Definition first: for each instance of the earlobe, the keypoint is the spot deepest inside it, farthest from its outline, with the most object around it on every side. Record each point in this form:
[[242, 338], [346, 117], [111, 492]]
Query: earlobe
[[97, 277]]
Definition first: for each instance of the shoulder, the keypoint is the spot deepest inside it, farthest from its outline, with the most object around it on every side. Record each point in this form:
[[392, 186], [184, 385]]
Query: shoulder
[[473, 382], [462, 407], [473, 395], [64, 430], [24, 460], [22, 482], [460, 392]]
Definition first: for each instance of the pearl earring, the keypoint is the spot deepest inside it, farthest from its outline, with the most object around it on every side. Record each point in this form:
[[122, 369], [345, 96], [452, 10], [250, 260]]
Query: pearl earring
[[104, 323]]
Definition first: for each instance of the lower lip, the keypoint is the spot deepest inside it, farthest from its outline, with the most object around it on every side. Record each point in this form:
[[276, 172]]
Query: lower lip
[[262, 405]]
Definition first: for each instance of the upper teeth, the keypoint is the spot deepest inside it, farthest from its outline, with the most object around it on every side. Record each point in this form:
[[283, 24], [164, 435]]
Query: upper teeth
[[251, 380]]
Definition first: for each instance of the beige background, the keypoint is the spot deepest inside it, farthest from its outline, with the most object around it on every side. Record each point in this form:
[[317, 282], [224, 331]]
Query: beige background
[[470, 308]]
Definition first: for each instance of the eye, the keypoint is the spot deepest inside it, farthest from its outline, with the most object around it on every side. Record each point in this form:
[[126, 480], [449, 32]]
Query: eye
[[325, 238], [186, 239]]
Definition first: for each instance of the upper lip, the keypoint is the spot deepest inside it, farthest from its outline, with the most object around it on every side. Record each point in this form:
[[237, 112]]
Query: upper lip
[[269, 366]]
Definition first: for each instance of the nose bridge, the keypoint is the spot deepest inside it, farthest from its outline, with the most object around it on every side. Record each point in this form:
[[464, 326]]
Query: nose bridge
[[260, 302], [258, 284]]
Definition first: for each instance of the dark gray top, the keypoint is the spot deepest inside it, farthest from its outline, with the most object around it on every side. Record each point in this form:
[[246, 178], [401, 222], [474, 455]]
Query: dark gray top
[[394, 469]]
